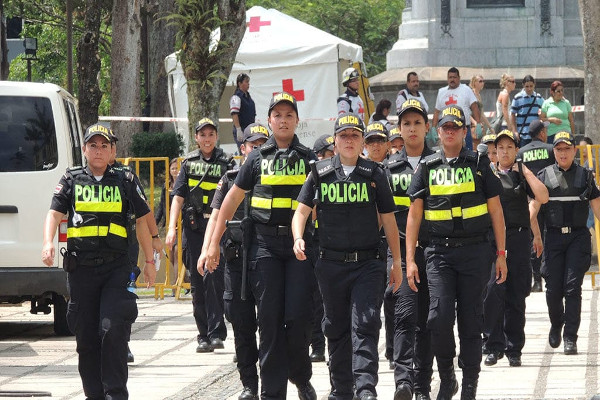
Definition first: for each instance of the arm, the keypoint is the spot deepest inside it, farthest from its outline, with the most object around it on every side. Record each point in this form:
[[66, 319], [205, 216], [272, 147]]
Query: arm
[[393, 238], [506, 113], [497, 216], [210, 228], [513, 121], [538, 188], [53, 219], [173, 217], [145, 240], [436, 115], [413, 223], [298, 224], [571, 123], [475, 112], [160, 213], [156, 242], [534, 208]]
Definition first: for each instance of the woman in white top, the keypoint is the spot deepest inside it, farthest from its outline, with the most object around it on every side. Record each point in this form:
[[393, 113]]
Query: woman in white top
[[507, 84], [476, 84]]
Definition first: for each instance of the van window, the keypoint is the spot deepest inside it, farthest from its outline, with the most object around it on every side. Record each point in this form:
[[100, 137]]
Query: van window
[[73, 132], [27, 134]]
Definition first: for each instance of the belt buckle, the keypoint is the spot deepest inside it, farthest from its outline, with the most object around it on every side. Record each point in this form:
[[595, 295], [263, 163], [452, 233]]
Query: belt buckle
[[281, 230], [351, 257], [565, 229]]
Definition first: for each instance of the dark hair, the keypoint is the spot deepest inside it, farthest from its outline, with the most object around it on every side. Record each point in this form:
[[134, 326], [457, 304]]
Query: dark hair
[[411, 73], [382, 105], [241, 78], [587, 139], [173, 161], [454, 70], [554, 85], [528, 78]]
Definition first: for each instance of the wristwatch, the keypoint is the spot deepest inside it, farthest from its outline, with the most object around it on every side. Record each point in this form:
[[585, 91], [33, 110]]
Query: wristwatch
[[503, 253]]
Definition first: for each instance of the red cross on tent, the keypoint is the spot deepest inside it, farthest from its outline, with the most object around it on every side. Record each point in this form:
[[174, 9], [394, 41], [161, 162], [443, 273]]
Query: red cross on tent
[[255, 24], [288, 86]]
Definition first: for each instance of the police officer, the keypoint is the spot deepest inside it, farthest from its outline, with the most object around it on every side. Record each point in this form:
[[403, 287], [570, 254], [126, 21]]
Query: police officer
[[491, 151], [241, 107], [194, 189], [351, 193], [282, 286], [241, 313], [504, 304], [413, 355], [377, 141], [537, 155], [102, 204], [396, 140], [567, 244], [350, 101], [458, 195]]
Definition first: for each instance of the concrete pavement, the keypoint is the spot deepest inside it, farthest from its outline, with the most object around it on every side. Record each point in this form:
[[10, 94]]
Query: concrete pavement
[[167, 366]]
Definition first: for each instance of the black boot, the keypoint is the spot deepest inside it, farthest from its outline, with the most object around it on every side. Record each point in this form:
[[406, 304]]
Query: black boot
[[469, 390], [448, 386]]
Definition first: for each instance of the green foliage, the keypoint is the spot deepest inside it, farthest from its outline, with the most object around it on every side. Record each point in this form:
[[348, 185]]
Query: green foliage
[[161, 144], [373, 24]]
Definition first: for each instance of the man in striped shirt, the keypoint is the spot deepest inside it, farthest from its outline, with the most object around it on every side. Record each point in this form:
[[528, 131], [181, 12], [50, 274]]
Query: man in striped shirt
[[524, 109]]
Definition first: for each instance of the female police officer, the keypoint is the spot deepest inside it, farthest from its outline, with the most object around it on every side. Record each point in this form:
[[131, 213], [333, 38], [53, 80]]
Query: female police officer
[[99, 201], [567, 245], [351, 194], [281, 285]]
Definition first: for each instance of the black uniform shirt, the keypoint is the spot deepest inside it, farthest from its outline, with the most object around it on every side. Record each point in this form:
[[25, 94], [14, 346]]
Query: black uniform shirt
[[62, 199], [536, 155], [383, 194], [181, 187], [222, 188], [491, 184]]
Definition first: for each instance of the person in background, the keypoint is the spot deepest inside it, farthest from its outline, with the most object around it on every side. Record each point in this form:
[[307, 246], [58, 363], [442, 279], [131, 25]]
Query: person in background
[[477, 83], [241, 107], [350, 101], [507, 85], [381, 113], [411, 91], [557, 110], [396, 140], [524, 109], [491, 151]]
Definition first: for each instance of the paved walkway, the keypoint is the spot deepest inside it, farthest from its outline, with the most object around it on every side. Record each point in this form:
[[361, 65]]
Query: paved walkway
[[167, 367]]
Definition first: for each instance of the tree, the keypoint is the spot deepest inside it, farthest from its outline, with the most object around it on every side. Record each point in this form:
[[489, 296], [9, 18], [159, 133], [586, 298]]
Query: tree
[[373, 24], [125, 69], [590, 15], [207, 60], [3, 46]]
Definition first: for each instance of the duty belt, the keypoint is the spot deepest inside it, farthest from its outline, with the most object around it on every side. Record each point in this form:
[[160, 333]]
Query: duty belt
[[356, 256], [456, 241], [96, 261], [273, 230], [563, 229]]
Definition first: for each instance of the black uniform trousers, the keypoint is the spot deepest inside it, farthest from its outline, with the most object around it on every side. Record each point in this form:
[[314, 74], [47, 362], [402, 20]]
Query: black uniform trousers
[[352, 299], [536, 262], [100, 313], [207, 291], [389, 305], [317, 340], [282, 287], [413, 354], [504, 304], [457, 277], [242, 315], [566, 259]]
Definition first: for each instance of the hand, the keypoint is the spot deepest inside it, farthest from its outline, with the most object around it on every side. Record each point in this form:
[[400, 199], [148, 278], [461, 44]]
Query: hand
[[299, 247], [212, 256], [171, 237], [149, 274], [538, 246], [239, 133], [555, 120], [48, 254], [157, 244], [396, 275], [501, 269], [412, 275]]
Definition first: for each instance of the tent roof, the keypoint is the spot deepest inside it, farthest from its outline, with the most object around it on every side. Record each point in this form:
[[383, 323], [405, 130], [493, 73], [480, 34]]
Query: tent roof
[[274, 39]]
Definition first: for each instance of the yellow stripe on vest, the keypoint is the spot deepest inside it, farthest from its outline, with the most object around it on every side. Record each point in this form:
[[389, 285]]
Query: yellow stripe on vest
[[278, 180], [192, 183], [438, 190], [93, 231], [277, 202], [104, 206], [455, 212], [402, 201]]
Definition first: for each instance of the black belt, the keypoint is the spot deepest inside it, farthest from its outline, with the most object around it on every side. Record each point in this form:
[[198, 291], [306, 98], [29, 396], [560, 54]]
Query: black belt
[[563, 229], [96, 261], [273, 230], [356, 256], [518, 228], [457, 241]]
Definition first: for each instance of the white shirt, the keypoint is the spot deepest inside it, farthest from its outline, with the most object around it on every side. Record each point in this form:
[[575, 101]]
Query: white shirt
[[404, 95], [462, 96]]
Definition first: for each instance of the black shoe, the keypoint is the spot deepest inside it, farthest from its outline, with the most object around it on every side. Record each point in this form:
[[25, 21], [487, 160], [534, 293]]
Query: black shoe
[[493, 358], [570, 347], [235, 358], [366, 395], [469, 391], [317, 356], [514, 361], [248, 394], [448, 388], [217, 343], [130, 357], [537, 287], [204, 346], [422, 396], [554, 337], [306, 392], [403, 392], [391, 364]]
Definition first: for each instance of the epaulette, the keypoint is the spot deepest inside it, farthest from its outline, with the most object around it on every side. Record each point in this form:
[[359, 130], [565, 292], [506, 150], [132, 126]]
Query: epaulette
[[366, 167], [72, 172], [267, 147], [232, 173], [471, 156], [193, 154], [395, 162], [302, 149], [324, 167], [433, 159]]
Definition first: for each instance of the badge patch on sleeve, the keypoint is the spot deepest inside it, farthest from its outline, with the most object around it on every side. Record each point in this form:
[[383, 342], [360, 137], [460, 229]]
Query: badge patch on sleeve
[[139, 190], [58, 188]]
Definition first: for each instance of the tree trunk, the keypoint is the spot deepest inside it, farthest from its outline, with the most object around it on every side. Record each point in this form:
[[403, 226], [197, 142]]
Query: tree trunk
[[162, 43], [125, 70], [207, 71], [590, 17], [88, 65], [4, 66]]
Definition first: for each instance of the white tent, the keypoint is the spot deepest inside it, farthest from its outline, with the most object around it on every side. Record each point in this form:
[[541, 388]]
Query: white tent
[[279, 52]]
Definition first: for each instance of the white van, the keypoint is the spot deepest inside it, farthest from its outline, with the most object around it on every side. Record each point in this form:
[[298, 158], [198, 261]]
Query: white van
[[40, 136]]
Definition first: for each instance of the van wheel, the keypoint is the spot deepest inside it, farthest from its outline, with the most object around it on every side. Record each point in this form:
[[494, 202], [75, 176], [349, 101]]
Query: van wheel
[[61, 328]]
